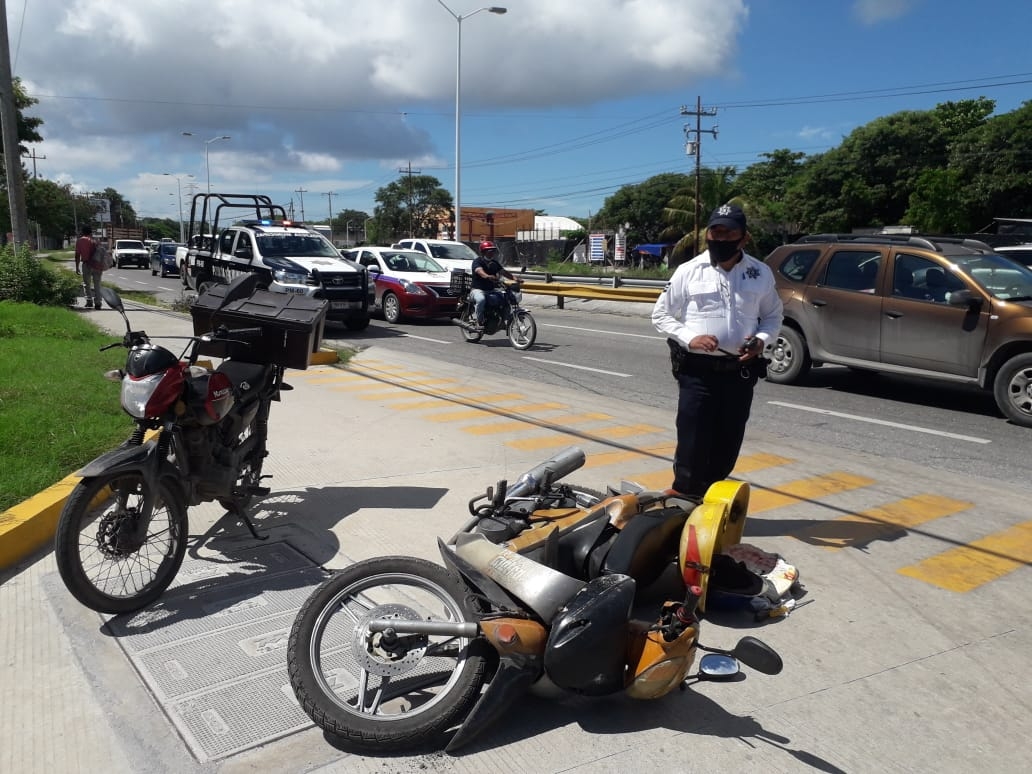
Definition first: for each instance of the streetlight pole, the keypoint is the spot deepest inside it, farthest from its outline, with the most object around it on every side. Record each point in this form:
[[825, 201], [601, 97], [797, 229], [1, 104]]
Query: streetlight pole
[[458, 106], [179, 187], [207, 166]]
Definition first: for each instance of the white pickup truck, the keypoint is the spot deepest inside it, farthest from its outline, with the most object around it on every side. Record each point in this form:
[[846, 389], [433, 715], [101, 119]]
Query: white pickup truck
[[131, 252], [287, 256]]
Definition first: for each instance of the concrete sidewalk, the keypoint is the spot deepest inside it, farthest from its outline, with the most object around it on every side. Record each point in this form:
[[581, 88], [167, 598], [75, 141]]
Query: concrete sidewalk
[[913, 657]]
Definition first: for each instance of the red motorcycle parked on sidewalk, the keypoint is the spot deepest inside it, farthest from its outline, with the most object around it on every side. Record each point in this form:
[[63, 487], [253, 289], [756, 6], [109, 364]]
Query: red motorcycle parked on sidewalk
[[122, 534]]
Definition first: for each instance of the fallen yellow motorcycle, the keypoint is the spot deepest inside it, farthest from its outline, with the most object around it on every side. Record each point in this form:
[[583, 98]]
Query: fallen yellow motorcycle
[[547, 586]]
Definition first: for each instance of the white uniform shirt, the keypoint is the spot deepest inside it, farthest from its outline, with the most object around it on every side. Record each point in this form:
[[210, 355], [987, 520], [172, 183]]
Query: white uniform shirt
[[732, 305]]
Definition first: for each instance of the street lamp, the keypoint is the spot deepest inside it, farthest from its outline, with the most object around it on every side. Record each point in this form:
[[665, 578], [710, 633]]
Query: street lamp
[[207, 167], [458, 107], [179, 187]]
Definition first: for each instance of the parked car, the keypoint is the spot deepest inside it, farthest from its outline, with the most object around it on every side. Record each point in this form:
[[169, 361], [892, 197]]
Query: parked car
[[934, 307], [1021, 253], [131, 252], [451, 255], [163, 260], [408, 283]]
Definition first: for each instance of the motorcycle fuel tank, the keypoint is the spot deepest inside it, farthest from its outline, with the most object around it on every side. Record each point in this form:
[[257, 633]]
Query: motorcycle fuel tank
[[209, 397]]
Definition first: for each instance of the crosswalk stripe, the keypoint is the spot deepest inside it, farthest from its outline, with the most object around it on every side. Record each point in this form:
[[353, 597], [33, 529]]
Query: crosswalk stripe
[[967, 567], [492, 428], [600, 435], [765, 499], [627, 455], [750, 463], [859, 529]]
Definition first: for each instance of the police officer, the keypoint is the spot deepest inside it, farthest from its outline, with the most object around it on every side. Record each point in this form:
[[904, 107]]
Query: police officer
[[718, 311]]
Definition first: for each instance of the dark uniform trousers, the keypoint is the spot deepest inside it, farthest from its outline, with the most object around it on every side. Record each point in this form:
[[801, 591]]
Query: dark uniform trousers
[[713, 406]]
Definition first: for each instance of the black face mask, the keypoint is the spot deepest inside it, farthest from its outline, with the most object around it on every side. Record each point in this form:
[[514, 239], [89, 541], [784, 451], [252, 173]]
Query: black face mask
[[720, 251]]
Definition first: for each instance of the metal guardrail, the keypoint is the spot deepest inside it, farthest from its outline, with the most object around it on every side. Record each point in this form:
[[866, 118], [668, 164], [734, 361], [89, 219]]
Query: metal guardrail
[[614, 288]]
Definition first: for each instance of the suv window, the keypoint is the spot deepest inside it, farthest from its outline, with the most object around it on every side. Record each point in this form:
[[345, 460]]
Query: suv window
[[798, 264], [922, 279], [853, 270], [457, 252]]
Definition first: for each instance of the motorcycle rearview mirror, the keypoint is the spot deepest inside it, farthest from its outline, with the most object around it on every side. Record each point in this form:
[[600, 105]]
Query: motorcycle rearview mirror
[[243, 286], [758, 655], [717, 666], [112, 299]]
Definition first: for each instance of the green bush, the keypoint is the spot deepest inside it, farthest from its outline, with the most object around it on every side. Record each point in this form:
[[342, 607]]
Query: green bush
[[25, 278]]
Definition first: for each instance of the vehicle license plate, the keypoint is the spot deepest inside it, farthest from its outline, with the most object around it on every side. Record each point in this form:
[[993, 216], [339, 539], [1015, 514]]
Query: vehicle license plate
[[344, 304]]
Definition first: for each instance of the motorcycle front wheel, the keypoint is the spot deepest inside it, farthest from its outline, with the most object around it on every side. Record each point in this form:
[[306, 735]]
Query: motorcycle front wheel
[[469, 317], [101, 561], [374, 691], [522, 329]]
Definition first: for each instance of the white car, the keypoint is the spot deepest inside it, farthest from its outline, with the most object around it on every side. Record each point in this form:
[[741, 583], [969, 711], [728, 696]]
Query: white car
[[408, 283], [131, 252], [1021, 253], [451, 255]]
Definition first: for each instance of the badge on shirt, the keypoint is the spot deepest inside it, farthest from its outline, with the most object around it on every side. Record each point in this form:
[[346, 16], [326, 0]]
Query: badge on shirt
[[752, 272]]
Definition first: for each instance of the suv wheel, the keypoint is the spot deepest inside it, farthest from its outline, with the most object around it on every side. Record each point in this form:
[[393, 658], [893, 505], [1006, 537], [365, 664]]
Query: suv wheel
[[789, 358], [1012, 389]]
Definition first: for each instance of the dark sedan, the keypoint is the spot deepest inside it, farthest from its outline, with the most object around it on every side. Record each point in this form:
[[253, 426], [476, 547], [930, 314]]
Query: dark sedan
[[163, 260]]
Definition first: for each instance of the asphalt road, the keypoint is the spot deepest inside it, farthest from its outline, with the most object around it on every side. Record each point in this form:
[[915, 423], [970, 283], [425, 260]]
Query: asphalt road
[[941, 426]]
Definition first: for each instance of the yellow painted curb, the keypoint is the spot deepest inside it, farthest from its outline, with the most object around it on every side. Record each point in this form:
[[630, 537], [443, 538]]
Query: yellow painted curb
[[31, 524], [323, 357]]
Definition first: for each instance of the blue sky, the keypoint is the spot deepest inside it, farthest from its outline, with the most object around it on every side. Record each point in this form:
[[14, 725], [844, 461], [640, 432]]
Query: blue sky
[[564, 101]]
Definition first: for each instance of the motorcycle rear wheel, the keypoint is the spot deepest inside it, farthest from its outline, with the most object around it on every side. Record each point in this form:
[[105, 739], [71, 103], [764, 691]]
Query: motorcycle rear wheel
[[369, 693], [522, 330], [469, 318], [98, 563]]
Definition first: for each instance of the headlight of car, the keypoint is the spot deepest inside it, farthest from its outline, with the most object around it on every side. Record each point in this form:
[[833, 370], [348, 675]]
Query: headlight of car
[[412, 288], [290, 277]]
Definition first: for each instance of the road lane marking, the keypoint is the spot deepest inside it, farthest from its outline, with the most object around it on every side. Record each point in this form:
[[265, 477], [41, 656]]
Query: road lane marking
[[858, 530], [967, 567], [578, 367], [605, 333], [426, 338], [886, 423], [795, 492]]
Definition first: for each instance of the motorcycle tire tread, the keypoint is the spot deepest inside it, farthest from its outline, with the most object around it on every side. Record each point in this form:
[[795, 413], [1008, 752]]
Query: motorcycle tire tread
[[409, 734]]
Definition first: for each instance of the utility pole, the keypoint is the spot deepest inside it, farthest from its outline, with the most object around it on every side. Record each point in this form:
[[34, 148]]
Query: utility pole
[[693, 147], [408, 188], [32, 155], [301, 195], [329, 201], [9, 120]]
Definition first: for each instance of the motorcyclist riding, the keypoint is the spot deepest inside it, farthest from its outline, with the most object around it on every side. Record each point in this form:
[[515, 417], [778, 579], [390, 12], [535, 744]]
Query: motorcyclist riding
[[486, 271]]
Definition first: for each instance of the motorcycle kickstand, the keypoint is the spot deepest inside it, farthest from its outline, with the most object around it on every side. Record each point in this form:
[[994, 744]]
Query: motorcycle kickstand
[[239, 513]]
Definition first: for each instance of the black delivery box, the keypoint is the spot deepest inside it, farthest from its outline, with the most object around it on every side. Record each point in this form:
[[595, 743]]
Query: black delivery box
[[291, 326]]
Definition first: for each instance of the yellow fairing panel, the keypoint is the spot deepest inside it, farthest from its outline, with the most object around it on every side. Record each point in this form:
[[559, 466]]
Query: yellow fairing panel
[[714, 525]]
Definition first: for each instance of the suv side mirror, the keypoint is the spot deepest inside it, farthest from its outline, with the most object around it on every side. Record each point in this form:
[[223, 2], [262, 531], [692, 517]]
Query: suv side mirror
[[965, 298]]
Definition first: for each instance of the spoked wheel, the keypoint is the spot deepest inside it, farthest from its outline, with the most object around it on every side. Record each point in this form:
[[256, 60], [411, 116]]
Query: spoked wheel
[[380, 690], [469, 317], [522, 330], [103, 560]]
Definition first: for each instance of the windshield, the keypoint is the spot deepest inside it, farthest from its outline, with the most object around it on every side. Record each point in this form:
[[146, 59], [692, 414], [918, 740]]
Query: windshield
[[1002, 277], [295, 246], [456, 252], [410, 260], [127, 244]]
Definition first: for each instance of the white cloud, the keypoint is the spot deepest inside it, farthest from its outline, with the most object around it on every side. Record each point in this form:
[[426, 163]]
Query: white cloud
[[875, 11]]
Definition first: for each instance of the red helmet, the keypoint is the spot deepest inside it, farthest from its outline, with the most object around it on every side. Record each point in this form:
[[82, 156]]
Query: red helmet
[[487, 245]]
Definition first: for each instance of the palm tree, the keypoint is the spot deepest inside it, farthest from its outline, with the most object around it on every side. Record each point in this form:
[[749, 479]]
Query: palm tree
[[716, 187]]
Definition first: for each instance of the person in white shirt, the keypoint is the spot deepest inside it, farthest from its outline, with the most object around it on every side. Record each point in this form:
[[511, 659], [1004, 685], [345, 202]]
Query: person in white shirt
[[718, 311]]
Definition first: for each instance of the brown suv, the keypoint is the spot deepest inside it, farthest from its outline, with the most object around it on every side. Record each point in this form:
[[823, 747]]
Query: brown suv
[[934, 307]]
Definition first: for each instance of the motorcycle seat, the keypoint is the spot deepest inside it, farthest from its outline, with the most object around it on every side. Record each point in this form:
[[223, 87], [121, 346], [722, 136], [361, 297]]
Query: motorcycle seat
[[645, 545]]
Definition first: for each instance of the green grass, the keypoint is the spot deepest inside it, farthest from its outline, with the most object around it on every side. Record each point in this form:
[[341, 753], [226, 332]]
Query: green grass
[[57, 412]]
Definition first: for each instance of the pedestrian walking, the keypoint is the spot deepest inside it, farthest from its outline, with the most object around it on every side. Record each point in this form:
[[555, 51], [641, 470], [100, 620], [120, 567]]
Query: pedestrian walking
[[718, 312], [90, 261]]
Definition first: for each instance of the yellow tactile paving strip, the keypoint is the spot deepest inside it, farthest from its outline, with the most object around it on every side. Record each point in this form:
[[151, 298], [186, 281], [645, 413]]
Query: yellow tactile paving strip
[[958, 569]]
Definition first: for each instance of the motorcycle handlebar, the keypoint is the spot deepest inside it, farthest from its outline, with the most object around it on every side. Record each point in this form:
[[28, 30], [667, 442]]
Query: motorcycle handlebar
[[547, 473]]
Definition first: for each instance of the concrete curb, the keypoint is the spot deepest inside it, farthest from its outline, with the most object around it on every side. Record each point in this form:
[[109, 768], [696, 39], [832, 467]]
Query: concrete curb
[[30, 525]]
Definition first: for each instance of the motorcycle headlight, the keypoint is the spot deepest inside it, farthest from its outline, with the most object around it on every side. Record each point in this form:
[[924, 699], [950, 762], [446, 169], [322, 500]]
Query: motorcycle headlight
[[136, 394]]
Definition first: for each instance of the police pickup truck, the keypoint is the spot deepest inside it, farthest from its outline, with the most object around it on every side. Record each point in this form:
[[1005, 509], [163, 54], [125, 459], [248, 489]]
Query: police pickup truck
[[287, 256]]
